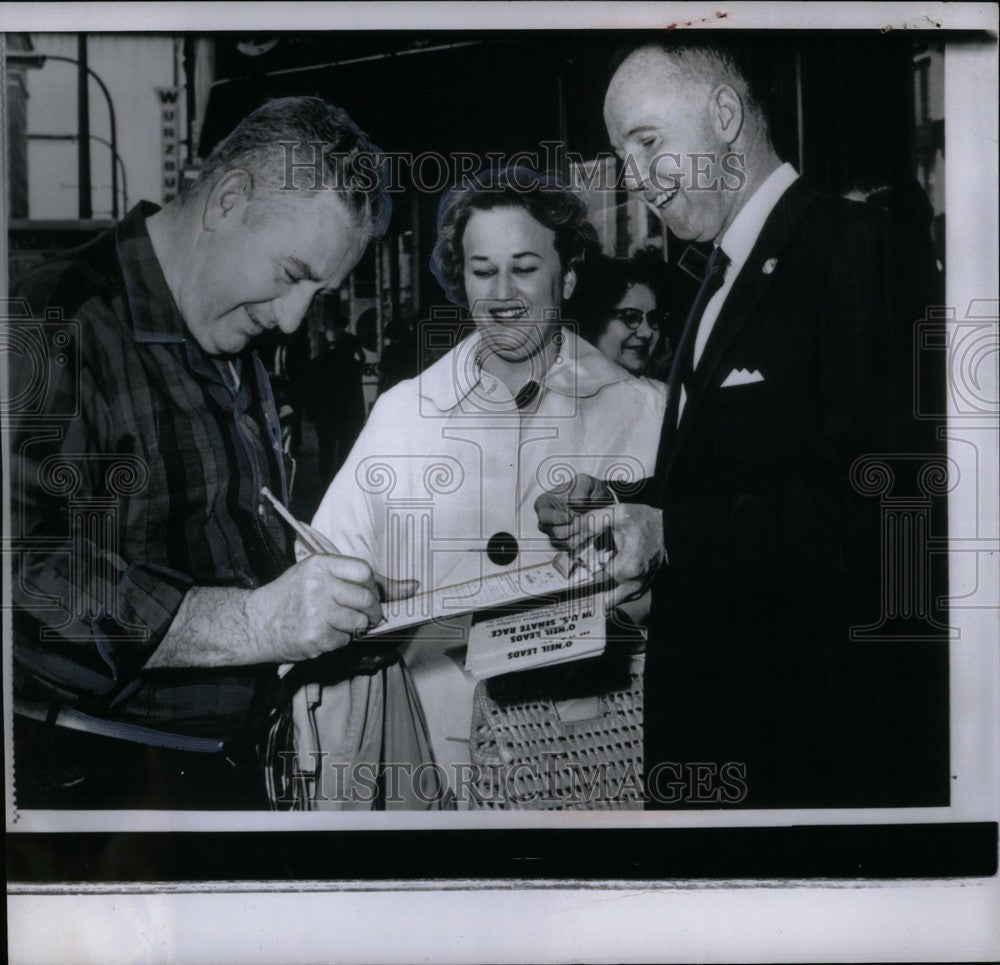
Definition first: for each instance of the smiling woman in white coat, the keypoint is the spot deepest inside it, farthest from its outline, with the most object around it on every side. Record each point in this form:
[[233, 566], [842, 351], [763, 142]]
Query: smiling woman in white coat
[[441, 485]]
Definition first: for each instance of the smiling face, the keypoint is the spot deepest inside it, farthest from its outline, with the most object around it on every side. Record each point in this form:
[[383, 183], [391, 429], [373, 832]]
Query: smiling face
[[513, 279], [673, 129], [260, 261], [631, 349]]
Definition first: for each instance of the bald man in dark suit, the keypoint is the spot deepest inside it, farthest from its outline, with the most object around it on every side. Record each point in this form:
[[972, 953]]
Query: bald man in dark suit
[[755, 534]]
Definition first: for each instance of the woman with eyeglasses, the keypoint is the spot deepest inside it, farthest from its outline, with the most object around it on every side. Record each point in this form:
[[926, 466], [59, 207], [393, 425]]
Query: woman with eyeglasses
[[619, 306]]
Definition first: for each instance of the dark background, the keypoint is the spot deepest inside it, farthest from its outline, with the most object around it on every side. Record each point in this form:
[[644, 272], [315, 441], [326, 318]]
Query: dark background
[[841, 103]]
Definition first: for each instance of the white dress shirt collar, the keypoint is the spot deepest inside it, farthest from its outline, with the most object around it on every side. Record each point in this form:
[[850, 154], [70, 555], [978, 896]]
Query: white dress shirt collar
[[737, 243], [742, 234]]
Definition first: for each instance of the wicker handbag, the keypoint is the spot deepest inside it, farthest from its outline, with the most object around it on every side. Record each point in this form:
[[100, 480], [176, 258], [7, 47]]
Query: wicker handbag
[[529, 758]]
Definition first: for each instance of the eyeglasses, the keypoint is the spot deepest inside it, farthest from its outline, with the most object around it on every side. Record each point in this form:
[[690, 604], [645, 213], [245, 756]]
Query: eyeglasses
[[632, 317]]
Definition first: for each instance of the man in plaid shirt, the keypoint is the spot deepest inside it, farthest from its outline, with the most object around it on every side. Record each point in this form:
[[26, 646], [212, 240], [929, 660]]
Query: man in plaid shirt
[[154, 589]]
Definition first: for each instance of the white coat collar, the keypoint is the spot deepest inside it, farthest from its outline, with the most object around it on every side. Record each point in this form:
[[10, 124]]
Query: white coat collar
[[579, 371]]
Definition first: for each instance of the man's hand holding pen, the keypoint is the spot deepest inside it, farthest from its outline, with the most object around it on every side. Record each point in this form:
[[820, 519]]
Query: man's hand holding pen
[[629, 536], [321, 602]]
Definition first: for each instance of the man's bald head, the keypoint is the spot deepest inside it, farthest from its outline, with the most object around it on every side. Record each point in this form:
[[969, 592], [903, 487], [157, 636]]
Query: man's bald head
[[691, 134], [695, 67]]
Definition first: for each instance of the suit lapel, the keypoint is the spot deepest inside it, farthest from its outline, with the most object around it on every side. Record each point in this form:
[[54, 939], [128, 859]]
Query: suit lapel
[[750, 285]]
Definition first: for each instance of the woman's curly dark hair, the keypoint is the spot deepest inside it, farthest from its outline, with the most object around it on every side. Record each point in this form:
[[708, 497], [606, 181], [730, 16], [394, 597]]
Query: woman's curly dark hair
[[547, 199], [601, 283]]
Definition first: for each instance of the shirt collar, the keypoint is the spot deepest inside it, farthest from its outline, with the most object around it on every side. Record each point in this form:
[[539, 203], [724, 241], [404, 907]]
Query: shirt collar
[[579, 371], [742, 234], [155, 315]]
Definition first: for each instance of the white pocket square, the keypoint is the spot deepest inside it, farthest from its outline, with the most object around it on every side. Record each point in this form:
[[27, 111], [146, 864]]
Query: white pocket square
[[741, 377]]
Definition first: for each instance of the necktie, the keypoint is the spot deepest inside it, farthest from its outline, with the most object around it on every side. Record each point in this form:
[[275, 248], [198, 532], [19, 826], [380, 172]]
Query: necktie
[[527, 394], [680, 369]]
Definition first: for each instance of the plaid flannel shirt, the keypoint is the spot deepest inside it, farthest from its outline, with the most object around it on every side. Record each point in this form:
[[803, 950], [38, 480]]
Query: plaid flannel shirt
[[138, 464]]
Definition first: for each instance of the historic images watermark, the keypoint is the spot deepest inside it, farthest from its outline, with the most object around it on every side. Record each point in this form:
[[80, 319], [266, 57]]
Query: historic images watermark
[[953, 357], [432, 172], [551, 782], [44, 358]]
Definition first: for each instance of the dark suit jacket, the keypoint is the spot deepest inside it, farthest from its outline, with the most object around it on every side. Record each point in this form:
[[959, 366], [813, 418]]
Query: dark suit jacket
[[774, 553]]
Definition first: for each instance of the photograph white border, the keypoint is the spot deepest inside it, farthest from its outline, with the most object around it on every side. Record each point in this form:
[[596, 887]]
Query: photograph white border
[[709, 921], [971, 285]]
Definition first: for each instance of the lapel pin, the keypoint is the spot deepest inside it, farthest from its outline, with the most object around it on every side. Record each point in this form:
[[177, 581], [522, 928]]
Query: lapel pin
[[770, 265]]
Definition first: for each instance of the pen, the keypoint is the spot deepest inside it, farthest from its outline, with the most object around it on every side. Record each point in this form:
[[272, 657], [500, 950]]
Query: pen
[[314, 542], [308, 539]]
